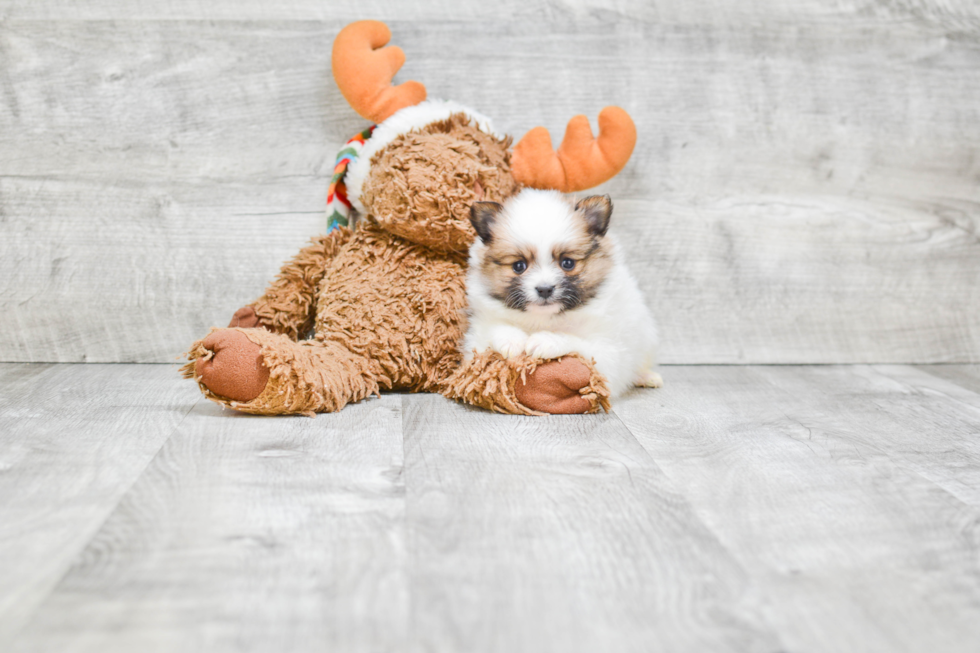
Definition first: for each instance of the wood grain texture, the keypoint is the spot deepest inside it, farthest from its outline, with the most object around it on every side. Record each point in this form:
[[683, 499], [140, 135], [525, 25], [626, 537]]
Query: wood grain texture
[[805, 189], [73, 439], [247, 534], [784, 508], [847, 493], [894, 406], [815, 279], [966, 376], [963, 14], [559, 534], [139, 278]]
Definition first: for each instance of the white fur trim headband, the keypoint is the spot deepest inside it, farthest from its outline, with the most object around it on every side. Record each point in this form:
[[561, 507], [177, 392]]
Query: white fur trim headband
[[403, 122]]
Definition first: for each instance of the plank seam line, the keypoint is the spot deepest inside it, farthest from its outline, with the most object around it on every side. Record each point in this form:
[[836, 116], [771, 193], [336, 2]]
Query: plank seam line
[[760, 619], [95, 531]]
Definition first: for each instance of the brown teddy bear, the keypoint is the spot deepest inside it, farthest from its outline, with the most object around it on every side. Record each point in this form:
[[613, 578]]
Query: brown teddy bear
[[385, 301]]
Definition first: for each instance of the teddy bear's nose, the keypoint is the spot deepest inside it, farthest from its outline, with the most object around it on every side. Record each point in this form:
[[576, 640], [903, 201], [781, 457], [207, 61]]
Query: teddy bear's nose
[[545, 291]]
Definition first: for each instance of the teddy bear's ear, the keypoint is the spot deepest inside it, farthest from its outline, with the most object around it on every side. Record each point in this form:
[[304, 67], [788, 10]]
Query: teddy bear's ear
[[582, 161], [363, 70], [482, 216]]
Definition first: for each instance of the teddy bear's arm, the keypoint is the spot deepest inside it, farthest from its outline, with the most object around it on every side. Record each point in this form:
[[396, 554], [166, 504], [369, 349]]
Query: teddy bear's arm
[[288, 305], [524, 385]]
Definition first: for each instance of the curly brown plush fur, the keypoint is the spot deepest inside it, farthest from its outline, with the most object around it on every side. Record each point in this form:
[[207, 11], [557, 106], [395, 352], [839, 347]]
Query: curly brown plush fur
[[386, 302], [422, 185]]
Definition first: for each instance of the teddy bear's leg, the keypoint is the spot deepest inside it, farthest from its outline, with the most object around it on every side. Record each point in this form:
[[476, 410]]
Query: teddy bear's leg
[[527, 386], [255, 371], [287, 304]]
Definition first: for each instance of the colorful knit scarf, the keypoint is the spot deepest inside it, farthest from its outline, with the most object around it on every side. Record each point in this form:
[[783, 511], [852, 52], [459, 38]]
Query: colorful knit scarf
[[339, 208]]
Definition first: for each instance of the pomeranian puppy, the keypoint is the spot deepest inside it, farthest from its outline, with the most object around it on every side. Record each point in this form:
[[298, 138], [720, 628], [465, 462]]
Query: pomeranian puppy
[[545, 278]]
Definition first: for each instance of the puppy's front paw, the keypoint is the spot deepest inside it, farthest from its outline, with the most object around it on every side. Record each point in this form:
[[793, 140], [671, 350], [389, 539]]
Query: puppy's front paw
[[649, 379], [508, 341], [545, 344]]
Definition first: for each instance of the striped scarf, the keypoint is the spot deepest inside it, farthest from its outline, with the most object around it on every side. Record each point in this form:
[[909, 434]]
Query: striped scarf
[[339, 209]]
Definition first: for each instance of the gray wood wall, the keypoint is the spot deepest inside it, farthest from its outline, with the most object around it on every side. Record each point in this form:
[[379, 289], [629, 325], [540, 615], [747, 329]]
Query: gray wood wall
[[806, 186]]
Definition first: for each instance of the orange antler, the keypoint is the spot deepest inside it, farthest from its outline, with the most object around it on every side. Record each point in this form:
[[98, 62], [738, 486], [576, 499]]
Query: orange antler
[[582, 161], [364, 72]]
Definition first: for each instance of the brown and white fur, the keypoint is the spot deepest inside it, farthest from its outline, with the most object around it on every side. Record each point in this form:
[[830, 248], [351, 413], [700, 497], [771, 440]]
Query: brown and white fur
[[545, 278]]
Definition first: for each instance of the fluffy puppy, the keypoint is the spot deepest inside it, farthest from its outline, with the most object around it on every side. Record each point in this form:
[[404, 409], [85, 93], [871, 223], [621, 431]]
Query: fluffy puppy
[[546, 279]]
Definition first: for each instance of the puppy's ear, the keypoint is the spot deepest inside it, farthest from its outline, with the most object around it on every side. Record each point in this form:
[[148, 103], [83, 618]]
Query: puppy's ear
[[596, 211], [482, 216]]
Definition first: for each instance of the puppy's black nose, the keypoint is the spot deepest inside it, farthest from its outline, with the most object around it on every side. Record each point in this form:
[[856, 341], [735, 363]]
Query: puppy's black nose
[[545, 291]]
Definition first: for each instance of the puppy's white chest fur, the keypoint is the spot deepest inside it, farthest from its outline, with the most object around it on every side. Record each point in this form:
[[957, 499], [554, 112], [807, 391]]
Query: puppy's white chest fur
[[546, 280]]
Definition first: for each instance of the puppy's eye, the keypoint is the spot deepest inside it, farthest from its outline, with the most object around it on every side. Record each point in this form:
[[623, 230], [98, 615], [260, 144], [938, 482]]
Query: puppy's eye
[[519, 266], [567, 263]]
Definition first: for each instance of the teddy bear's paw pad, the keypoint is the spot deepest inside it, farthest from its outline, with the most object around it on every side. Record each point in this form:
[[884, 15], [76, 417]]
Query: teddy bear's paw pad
[[245, 318], [234, 369], [553, 387], [649, 379]]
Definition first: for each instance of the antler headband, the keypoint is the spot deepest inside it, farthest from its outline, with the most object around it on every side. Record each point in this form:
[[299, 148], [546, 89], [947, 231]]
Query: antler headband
[[364, 69]]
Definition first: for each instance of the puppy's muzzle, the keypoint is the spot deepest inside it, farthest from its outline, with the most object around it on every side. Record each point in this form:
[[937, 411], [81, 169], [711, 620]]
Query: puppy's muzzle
[[544, 292]]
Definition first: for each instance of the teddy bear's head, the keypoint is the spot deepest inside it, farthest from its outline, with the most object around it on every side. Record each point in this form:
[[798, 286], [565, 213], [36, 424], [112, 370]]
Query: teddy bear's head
[[427, 161], [423, 170]]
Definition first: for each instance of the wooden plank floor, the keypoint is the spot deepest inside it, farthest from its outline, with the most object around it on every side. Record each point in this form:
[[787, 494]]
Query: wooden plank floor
[[792, 508]]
